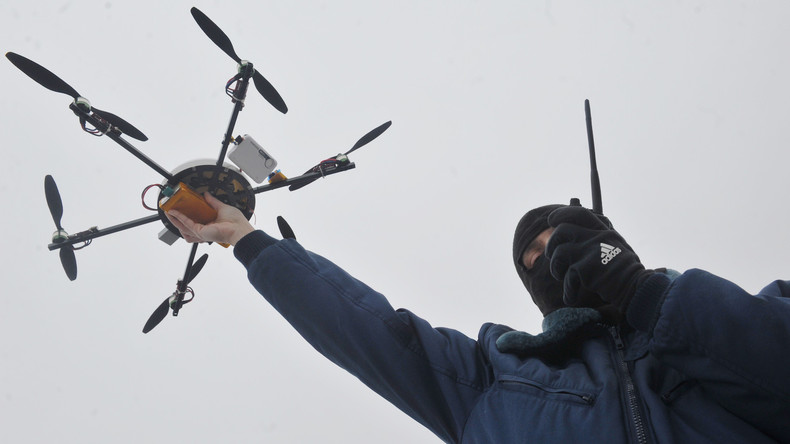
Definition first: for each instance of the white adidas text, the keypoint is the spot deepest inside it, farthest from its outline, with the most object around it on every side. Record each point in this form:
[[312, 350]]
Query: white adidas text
[[608, 253]]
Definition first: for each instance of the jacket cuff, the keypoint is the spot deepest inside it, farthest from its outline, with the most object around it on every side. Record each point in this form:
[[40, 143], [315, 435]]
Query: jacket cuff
[[642, 312], [249, 246]]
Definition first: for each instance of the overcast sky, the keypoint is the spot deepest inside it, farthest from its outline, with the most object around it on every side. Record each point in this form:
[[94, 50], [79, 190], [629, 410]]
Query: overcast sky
[[690, 109]]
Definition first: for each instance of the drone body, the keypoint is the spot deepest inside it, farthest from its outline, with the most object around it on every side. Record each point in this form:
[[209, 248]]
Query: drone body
[[227, 183]]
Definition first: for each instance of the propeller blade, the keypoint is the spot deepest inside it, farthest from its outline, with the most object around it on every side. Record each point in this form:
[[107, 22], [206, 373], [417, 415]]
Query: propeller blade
[[158, 315], [52, 82], [195, 269], [42, 75], [69, 262], [125, 127], [269, 93], [54, 201], [215, 34], [296, 186], [369, 137], [221, 39], [285, 229]]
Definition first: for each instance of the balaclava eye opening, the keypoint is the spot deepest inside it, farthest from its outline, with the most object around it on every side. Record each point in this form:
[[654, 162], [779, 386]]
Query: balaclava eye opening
[[546, 291]]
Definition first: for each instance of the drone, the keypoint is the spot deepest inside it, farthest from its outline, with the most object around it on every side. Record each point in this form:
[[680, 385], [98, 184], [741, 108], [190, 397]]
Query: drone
[[226, 182]]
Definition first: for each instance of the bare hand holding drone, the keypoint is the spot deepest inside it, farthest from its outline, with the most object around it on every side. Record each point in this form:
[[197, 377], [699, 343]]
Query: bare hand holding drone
[[228, 228]]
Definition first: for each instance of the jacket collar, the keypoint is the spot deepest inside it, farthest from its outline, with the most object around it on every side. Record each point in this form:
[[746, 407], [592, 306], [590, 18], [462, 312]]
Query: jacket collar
[[560, 327]]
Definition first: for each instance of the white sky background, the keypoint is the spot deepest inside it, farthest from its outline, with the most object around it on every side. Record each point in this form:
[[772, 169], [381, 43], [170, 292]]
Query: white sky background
[[690, 109]]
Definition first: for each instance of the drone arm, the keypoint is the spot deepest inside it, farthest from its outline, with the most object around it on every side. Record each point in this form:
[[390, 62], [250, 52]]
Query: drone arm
[[116, 136], [183, 284], [238, 98], [93, 233], [303, 179]]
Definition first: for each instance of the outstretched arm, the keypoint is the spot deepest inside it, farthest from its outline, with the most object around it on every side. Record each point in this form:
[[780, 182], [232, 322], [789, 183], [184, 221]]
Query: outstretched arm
[[434, 375]]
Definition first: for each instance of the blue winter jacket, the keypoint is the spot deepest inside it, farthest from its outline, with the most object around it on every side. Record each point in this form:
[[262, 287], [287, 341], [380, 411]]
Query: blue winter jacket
[[706, 362]]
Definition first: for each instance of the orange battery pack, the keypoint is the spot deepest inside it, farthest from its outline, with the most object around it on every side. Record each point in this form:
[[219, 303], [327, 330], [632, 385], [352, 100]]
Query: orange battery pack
[[189, 203]]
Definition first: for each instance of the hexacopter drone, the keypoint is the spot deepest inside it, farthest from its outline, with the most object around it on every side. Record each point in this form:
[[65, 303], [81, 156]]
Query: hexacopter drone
[[182, 188]]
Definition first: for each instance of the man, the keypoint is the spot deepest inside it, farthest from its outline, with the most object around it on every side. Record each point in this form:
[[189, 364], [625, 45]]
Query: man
[[627, 354]]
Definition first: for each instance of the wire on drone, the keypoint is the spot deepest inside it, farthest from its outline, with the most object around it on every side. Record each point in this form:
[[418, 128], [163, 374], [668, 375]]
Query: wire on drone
[[230, 90], [89, 129], [191, 293], [145, 191], [84, 244]]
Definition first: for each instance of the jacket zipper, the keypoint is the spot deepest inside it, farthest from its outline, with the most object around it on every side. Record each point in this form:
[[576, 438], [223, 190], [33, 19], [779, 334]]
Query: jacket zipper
[[630, 389]]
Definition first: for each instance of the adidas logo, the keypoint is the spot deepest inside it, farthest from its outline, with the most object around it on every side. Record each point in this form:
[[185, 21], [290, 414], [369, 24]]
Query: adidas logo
[[608, 253]]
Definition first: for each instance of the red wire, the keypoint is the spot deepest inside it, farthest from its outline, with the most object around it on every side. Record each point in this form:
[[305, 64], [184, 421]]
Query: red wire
[[145, 191]]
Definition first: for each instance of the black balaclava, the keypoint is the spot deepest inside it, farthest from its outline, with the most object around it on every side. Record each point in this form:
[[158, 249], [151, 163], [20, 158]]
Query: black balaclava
[[546, 291]]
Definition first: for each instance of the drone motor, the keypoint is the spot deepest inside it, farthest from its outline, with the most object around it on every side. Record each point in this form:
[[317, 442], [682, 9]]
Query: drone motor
[[60, 236]]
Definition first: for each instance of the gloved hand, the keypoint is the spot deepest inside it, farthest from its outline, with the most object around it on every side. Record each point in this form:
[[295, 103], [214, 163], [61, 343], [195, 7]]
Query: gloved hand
[[595, 264]]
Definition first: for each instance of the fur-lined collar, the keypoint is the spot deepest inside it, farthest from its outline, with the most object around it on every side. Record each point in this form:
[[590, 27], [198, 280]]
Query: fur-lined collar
[[560, 327]]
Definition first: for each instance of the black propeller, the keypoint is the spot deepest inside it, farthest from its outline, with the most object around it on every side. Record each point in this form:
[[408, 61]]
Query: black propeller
[[195, 268], [285, 229], [159, 314], [364, 140], [54, 201], [221, 39], [56, 209], [161, 311], [370, 136], [47, 79]]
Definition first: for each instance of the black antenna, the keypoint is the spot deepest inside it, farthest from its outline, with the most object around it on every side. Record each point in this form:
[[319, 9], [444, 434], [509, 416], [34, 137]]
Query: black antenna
[[596, 182]]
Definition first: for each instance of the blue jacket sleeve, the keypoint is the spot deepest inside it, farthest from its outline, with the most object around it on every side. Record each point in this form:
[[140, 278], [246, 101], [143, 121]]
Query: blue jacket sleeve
[[433, 375], [737, 345]]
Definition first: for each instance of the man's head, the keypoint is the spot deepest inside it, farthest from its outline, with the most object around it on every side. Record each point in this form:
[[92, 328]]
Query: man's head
[[529, 242]]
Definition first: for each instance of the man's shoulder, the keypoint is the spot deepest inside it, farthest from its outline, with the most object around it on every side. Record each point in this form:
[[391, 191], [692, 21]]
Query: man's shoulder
[[491, 329]]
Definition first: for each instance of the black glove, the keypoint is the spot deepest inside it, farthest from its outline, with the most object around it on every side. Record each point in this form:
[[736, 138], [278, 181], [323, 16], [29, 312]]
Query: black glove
[[592, 260]]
